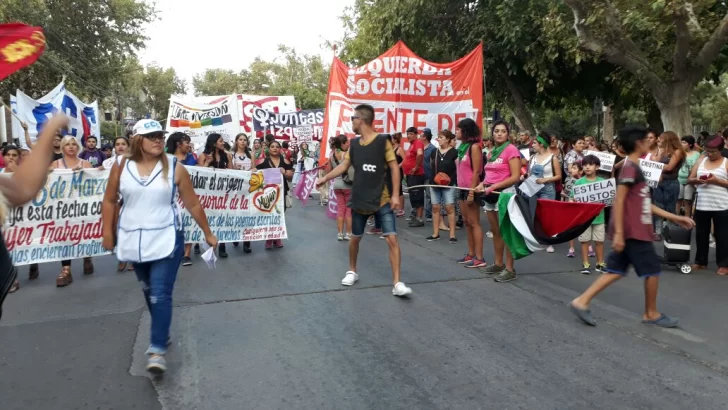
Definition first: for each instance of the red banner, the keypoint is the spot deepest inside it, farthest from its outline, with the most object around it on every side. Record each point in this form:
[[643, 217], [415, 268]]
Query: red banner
[[20, 46], [405, 91]]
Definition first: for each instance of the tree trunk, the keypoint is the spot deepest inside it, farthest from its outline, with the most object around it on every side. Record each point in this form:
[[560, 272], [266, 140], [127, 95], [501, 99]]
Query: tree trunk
[[608, 133], [675, 113], [520, 111]]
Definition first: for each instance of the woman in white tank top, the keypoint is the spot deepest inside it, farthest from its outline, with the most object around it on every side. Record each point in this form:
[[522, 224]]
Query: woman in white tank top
[[710, 176], [149, 229]]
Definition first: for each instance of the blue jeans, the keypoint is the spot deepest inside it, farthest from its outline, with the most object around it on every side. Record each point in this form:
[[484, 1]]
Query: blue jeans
[[442, 196], [384, 217], [157, 279], [547, 192], [665, 197]]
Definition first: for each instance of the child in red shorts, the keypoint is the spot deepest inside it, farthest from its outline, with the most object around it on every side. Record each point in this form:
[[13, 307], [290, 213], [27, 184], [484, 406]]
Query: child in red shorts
[[630, 231]]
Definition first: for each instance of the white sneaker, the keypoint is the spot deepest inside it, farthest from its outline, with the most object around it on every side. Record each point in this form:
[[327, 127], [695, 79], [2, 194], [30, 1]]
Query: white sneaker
[[347, 237], [550, 249], [489, 234], [350, 278], [400, 289], [340, 237]]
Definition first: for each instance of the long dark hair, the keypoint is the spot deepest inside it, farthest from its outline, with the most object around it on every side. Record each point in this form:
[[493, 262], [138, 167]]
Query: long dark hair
[[248, 152], [210, 144], [469, 131], [174, 141]]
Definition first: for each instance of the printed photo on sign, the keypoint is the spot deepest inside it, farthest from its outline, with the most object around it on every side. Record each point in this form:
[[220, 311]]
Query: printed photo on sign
[[599, 192], [606, 160], [652, 170]]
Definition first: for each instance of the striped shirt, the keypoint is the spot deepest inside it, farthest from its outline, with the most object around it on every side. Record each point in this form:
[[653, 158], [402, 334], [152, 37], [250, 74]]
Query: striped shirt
[[712, 197]]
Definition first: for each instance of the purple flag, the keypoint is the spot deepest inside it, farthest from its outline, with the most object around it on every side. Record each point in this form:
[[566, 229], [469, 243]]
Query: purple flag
[[331, 211], [306, 185]]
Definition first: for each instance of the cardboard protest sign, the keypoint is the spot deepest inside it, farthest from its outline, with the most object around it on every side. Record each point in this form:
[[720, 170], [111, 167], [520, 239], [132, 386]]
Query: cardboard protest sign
[[599, 192]]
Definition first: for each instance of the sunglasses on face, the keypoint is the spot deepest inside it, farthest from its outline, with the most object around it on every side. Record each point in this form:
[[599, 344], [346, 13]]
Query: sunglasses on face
[[355, 117], [155, 137]]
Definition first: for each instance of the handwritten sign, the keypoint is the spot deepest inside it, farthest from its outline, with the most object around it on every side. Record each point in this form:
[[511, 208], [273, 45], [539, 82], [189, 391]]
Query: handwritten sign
[[64, 220], [599, 192], [652, 170], [606, 160], [303, 133]]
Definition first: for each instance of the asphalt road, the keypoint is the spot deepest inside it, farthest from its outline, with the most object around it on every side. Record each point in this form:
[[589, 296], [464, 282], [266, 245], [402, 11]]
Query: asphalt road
[[276, 330]]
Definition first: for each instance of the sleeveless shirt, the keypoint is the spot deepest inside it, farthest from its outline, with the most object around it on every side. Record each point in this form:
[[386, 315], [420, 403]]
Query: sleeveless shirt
[[150, 217], [370, 168]]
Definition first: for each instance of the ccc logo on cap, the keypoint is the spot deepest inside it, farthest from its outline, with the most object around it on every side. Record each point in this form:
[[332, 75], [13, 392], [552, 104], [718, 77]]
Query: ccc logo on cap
[[369, 168]]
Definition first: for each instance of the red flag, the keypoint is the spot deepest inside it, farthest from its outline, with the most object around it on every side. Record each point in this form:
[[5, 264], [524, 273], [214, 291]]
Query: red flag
[[20, 46]]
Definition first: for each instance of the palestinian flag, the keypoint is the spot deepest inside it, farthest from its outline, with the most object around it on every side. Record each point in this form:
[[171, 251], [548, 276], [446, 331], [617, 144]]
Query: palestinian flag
[[529, 224]]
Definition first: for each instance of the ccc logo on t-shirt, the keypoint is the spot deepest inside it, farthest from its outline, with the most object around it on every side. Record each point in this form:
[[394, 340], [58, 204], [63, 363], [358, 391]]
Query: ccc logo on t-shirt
[[369, 168]]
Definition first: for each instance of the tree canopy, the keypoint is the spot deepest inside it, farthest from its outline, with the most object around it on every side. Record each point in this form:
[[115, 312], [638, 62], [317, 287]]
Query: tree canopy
[[87, 41], [301, 75]]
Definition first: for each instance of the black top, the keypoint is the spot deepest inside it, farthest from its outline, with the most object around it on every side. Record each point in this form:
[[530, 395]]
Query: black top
[[267, 163], [57, 156], [370, 168], [445, 163]]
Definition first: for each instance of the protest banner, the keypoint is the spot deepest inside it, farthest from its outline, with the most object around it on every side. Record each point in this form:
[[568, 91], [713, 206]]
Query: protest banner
[[289, 125], [599, 192], [64, 220], [83, 119], [652, 170], [198, 120], [405, 91], [240, 205], [270, 103], [606, 160], [331, 209], [305, 185]]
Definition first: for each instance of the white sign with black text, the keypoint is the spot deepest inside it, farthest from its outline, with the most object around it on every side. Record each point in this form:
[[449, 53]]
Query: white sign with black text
[[598, 192], [606, 160], [652, 170]]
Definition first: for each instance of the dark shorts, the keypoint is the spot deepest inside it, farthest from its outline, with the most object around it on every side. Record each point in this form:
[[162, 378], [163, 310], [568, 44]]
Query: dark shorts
[[383, 218], [640, 254], [417, 196], [463, 196]]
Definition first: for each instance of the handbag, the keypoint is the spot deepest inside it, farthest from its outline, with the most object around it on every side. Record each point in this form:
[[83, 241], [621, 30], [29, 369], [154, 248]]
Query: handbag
[[441, 178], [119, 203], [8, 273], [348, 177]]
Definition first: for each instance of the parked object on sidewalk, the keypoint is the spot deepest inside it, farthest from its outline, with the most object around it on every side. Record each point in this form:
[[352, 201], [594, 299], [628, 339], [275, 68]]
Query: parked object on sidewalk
[[677, 247]]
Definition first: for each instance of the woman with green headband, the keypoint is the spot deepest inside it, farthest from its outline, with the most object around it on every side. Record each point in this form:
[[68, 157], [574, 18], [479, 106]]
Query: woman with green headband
[[545, 166]]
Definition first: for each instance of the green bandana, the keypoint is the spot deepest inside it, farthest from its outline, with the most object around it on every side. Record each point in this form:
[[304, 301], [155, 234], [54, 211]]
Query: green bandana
[[542, 141], [495, 153], [463, 149]]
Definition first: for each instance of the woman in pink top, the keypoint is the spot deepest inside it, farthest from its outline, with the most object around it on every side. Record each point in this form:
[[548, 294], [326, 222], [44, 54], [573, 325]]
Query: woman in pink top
[[502, 172], [469, 169]]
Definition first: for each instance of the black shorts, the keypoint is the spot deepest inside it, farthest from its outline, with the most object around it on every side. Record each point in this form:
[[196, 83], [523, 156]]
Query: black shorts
[[639, 254], [417, 195], [463, 196]]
